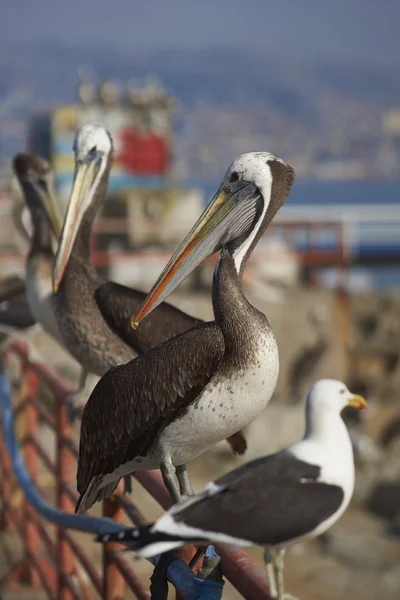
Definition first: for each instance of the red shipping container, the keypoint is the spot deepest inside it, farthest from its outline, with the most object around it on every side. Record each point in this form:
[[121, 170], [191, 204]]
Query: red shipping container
[[143, 153]]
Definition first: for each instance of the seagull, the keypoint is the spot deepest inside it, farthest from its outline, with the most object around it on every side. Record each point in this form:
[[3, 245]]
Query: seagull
[[274, 501]]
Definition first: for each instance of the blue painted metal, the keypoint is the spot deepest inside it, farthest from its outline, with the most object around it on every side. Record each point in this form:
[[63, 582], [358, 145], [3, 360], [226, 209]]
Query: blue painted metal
[[192, 587], [178, 573]]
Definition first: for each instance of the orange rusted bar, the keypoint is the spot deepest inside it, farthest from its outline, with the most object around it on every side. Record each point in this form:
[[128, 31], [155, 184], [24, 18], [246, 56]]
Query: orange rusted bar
[[114, 586], [65, 473]]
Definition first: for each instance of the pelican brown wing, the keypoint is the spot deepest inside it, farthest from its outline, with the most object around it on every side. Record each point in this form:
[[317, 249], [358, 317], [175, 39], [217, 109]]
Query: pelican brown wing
[[133, 403], [119, 303]]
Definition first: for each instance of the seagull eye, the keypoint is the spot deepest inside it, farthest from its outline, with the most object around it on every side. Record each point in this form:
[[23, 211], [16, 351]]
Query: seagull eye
[[342, 391], [234, 177]]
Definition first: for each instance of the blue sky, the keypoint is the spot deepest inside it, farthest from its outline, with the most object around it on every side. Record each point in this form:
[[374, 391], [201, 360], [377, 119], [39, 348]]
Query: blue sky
[[344, 29]]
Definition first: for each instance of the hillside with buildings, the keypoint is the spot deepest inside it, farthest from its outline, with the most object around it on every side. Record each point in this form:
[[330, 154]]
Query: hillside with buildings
[[331, 120]]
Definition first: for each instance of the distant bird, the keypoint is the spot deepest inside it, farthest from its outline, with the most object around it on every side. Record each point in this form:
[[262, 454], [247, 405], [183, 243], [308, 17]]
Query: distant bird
[[307, 360], [93, 314], [173, 403], [274, 501], [15, 315], [390, 432], [11, 286], [35, 178]]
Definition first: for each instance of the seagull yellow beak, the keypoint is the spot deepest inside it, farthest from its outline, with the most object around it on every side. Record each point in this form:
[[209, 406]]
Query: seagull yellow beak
[[358, 402]]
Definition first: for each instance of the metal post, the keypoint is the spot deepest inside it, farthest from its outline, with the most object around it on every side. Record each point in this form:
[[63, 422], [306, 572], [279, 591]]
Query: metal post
[[186, 554], [113, 581], [32, 537], [5, 485], [65, 471]]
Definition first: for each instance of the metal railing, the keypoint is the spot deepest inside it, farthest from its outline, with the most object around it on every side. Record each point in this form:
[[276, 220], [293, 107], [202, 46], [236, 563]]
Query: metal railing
[[54, 557], [306, 238]]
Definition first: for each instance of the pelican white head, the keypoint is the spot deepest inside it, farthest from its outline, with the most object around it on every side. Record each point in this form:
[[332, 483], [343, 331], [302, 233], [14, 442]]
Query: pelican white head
[[93, 149]]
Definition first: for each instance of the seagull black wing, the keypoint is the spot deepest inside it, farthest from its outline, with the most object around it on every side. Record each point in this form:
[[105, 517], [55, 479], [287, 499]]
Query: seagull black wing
[[133, 403], [119, 303], [281, 492], [269, 501]]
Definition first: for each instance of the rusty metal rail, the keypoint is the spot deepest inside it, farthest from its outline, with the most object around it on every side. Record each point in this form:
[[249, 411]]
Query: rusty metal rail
[[309, 251], [54, 557]]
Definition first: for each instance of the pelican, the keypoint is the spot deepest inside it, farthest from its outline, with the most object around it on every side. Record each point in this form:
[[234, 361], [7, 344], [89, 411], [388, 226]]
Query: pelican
[[34, 176], [24, 304], [93, 314], [15, 314], [171, 404]]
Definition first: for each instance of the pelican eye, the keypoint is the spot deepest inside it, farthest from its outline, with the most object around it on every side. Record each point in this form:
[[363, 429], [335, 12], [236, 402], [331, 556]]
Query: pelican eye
[[234, 177]]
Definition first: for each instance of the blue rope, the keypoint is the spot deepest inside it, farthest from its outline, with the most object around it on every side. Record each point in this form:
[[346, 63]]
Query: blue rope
[[179, 574]]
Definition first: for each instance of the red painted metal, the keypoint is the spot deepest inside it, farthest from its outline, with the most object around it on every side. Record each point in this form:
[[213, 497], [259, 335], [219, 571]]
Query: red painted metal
[[65, 472], [114, 587], [312, 257]]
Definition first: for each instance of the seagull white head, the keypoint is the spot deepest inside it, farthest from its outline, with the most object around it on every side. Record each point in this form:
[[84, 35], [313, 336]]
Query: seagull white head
[[93, 149], [253, 189], [333, 395]]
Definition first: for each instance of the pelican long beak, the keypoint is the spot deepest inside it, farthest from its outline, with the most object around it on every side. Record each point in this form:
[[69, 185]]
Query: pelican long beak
[[84, 177], [358, 402], [225, 218], [50, 208]]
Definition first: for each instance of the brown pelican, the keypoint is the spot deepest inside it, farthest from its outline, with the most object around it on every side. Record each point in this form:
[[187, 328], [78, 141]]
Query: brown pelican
[[93, 314], [171, 404], [24, 303], [34, 176], [15, 314]]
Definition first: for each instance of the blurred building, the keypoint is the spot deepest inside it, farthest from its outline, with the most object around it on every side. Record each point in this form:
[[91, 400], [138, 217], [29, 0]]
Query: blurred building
[[140, 122]]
